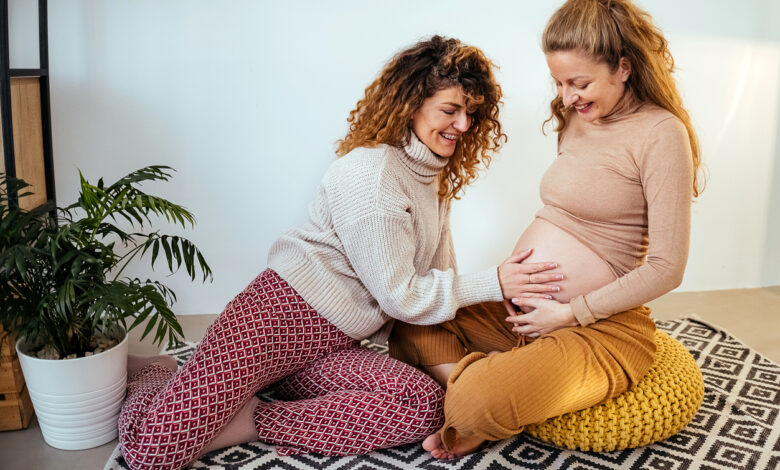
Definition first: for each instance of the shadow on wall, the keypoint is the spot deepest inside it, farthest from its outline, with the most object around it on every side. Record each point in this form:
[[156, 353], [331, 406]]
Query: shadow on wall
[[770, 269], [118, 133]]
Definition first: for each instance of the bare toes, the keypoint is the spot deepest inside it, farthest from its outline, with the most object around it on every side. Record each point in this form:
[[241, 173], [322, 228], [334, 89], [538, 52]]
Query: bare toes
[[432, 442]]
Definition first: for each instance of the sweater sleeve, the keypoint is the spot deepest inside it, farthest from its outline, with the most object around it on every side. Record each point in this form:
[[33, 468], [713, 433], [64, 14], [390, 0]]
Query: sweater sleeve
[[444, 258], [381, 248], [666, 173]]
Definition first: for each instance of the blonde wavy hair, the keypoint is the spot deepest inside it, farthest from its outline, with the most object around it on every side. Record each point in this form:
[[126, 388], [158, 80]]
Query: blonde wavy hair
[[384, 114], [608, 30]]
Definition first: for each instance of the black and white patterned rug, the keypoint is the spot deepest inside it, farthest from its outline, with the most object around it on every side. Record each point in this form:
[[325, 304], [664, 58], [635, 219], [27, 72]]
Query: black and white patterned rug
[[737, 426]]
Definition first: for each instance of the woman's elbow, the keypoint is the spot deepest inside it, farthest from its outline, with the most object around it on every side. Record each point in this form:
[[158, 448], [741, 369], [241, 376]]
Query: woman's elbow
[[415, 313], [668, 276], [673, 279]]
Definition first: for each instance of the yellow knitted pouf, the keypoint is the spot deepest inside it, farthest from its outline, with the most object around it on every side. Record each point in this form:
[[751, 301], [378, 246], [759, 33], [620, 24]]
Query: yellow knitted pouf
[[661, 404]]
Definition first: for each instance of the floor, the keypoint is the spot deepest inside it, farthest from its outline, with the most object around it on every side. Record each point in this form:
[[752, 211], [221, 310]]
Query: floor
[[751, 315]]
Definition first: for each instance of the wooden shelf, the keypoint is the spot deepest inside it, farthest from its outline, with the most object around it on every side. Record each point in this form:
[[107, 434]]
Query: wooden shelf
[[28, 138], [15, 405], [16, 410], [25, 117], [25, 153]]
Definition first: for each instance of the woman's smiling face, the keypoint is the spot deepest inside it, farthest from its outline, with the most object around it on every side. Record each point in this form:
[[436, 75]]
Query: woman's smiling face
[[586, 84], [441, 120]]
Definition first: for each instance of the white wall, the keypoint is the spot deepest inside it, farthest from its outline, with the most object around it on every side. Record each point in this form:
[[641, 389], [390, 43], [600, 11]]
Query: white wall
[[246, 99]]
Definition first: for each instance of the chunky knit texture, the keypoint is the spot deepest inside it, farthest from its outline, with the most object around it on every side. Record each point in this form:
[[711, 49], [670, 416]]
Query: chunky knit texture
[[378, 246], [662, 403]]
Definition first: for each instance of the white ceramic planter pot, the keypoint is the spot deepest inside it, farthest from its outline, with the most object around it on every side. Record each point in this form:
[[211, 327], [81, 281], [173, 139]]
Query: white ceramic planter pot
[[77, 401]]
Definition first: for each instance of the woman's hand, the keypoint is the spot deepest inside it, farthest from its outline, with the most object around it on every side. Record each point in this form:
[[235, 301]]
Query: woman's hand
[[545, 317], [519, 279]]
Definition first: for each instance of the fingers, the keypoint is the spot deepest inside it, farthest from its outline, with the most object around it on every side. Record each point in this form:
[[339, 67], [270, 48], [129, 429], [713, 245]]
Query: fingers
[[538, 288], [523, 326], [543, 278], [514, 279], [531, 268], [517, 319], [520, 256], [512, 311], [531, 302], [534, 295], [510, 307], [526, 331]]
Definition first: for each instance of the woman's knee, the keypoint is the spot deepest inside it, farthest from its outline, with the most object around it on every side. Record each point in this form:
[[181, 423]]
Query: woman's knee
[[480, 404], [502, 392], [422, 400], [423, 392], [476, 386]]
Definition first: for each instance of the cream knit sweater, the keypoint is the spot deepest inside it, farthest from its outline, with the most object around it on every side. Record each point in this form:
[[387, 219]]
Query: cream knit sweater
[[377, 245]]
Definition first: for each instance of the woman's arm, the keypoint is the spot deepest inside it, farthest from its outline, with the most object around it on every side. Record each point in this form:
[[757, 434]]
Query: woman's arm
[[536, 285], [381, 249], [666, 173]]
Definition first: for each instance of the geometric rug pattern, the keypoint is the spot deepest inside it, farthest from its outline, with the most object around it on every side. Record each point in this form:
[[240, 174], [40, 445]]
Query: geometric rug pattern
[[737, 426]]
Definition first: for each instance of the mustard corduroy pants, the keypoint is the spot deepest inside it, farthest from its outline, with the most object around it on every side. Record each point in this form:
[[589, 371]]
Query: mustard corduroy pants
[[494, 397]]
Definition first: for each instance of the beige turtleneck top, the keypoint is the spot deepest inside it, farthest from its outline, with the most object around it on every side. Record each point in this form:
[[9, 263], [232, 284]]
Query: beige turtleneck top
[[377, 245], [624, 189]]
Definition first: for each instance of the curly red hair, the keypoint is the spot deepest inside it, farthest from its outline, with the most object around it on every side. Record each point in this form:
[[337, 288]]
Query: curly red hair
[[384, 114]]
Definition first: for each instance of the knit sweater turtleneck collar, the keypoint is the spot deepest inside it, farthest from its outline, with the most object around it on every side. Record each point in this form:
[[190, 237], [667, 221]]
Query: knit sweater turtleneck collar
[[420, 159]]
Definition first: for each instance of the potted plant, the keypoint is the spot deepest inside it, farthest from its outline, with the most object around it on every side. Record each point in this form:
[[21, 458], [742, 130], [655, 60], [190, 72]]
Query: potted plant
[[63, 294]]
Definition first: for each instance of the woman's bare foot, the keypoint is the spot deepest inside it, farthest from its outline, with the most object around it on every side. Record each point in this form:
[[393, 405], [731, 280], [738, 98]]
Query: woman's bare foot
[[435, 446], [136, 362], [239, 430]]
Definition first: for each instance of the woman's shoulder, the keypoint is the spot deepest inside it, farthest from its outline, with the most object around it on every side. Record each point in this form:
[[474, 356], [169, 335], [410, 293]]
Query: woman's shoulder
[[372, 164], [650, 115], [364, 176], [664, 138], [363, 156], [360, 163]]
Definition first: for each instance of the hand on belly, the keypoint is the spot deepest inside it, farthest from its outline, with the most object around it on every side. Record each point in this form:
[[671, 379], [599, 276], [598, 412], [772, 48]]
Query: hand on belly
[[519, 279], [582, 269]]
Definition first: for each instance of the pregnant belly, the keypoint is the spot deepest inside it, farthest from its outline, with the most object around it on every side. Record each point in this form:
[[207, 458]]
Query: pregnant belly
[[583, 269]]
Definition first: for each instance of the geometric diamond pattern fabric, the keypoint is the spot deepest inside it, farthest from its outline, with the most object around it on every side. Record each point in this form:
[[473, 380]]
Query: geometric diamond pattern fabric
[[340, 398], [737, 426], [351, 402]]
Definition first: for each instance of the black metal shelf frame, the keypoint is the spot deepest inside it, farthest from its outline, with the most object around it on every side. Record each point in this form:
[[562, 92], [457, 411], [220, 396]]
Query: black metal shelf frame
[[42, 73]]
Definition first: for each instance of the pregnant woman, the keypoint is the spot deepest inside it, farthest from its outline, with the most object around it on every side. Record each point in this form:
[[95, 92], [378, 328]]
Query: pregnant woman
[[616, 218]]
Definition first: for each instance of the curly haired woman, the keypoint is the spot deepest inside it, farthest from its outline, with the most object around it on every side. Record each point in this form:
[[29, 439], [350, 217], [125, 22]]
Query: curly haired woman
[[616, 217], [377, 247]]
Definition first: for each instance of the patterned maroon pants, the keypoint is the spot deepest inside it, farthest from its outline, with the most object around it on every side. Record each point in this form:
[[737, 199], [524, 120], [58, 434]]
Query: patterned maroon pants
[[340, 399]]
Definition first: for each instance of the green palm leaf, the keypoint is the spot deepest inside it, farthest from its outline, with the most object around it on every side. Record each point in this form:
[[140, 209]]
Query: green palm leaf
[[54, 267]]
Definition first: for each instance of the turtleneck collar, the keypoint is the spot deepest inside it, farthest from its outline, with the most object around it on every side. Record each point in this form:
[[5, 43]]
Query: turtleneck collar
[[627, 105], [420, 159]]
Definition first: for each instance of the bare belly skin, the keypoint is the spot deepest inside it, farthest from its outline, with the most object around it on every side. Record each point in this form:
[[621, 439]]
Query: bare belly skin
[[583, 269]]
